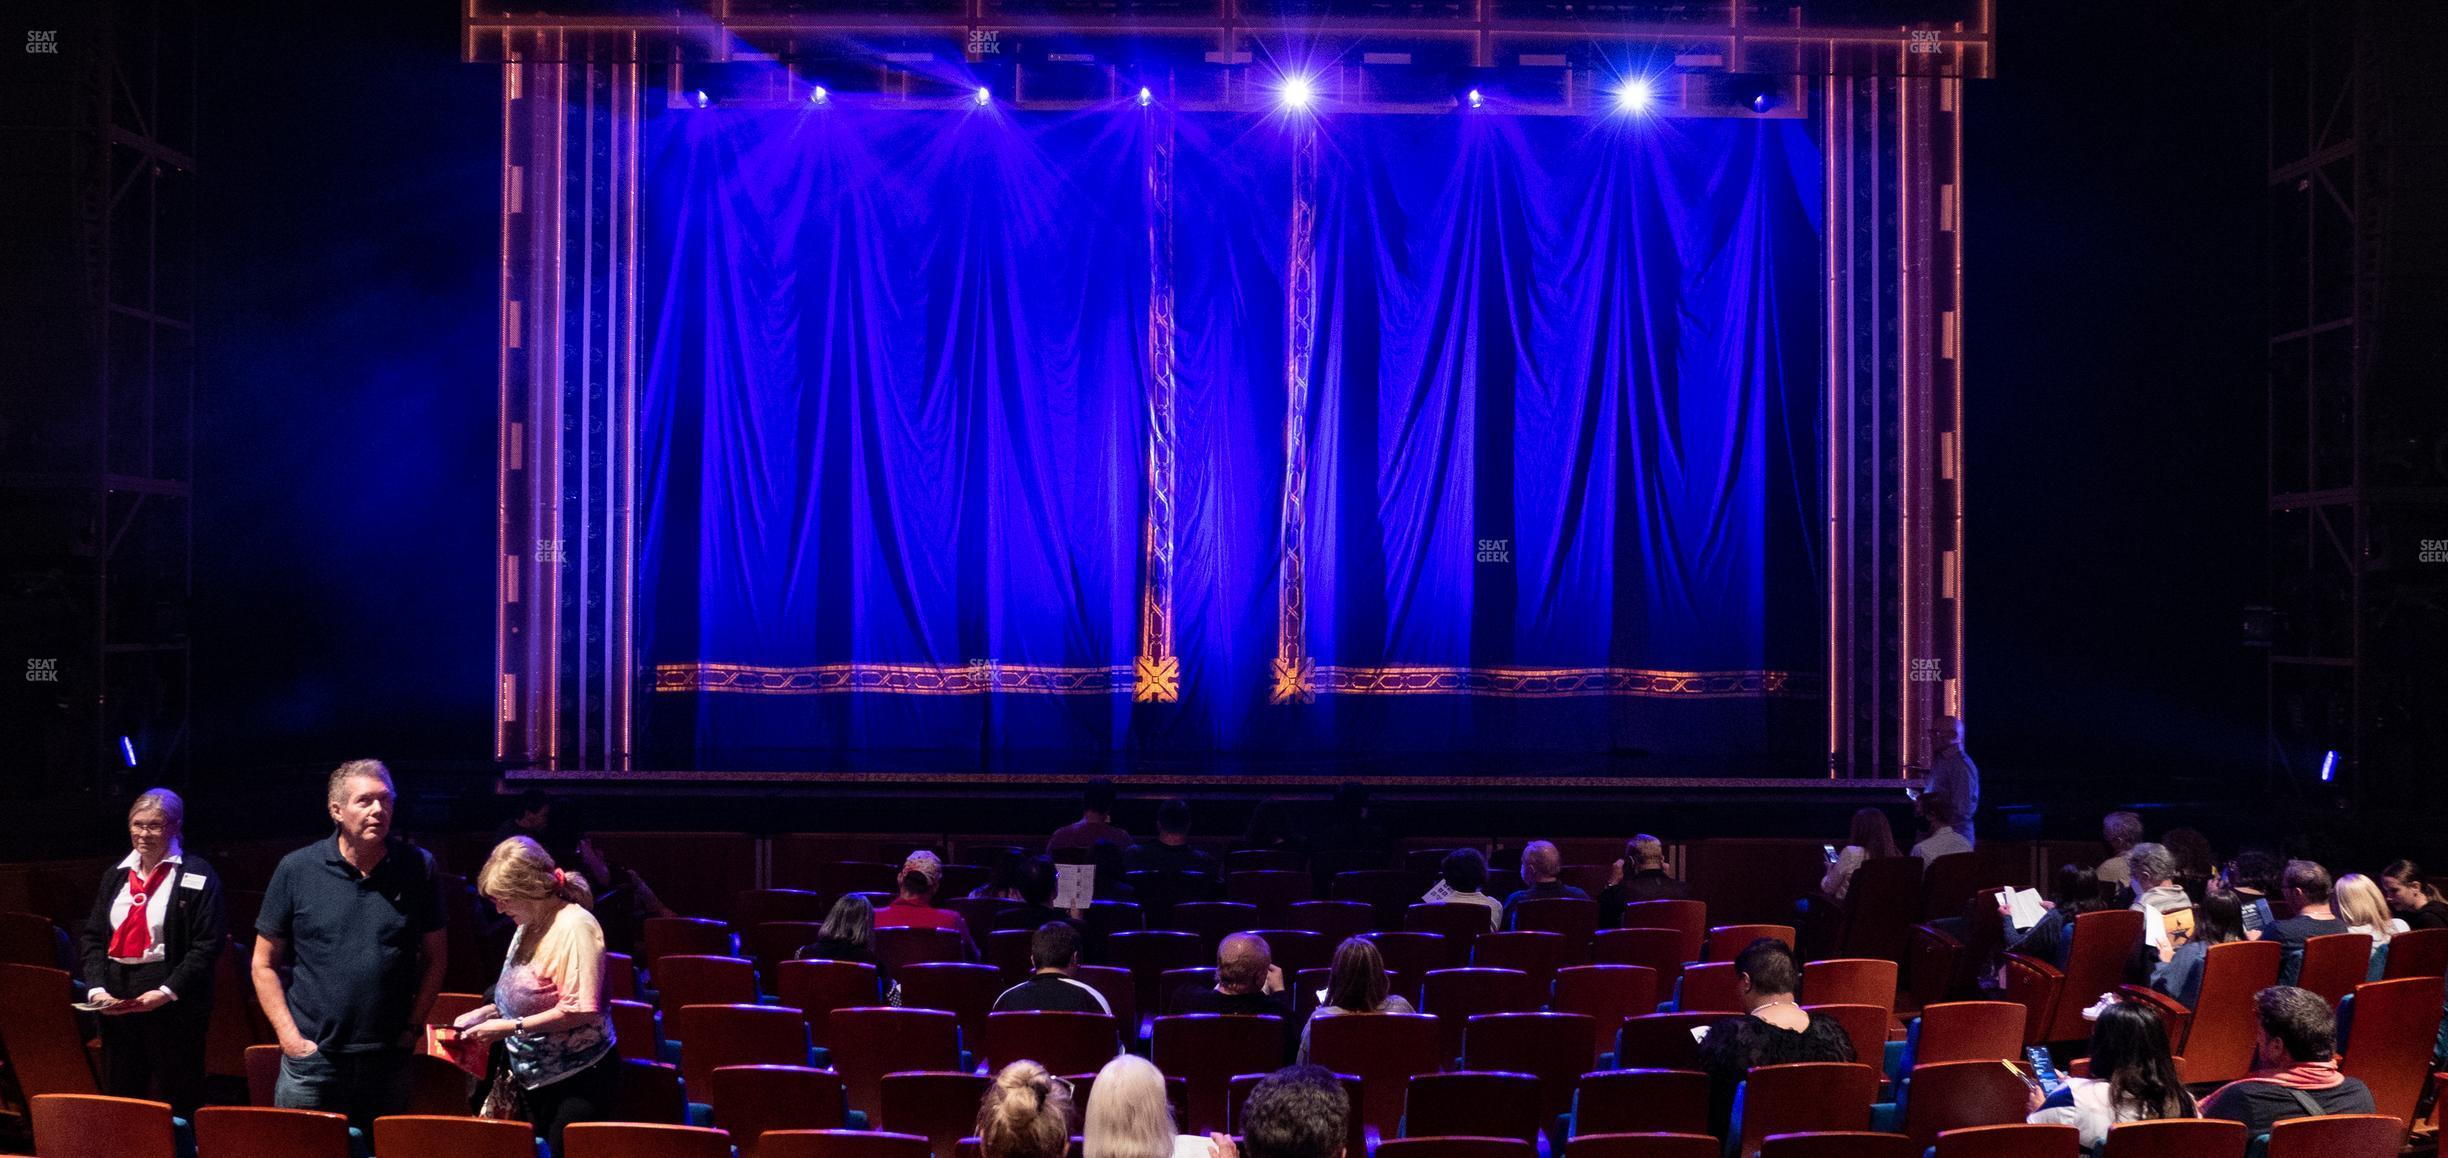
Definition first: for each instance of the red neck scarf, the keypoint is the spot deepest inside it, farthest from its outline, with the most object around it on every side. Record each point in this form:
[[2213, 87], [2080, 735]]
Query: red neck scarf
[[134, 936]]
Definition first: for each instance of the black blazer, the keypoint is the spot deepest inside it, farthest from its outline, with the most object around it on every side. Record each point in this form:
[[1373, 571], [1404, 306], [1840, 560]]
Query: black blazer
[[192, 931]]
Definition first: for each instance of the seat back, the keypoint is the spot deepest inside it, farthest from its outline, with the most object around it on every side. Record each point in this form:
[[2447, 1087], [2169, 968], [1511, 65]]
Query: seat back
[[1457, 1146], [1333, 920], [1212, 921], [647, 1091], [1864, 1025], [1106, 918], [2035, 985], [1574, 918], [1838, 1144], [1661, 1041], [844, 1144], [1881, 906], [1409, 955], [1148, 953], [1708, 987], [940, 1106], [2334, 964], [1387, 892], [643, 1140], [2386, 1033], [1953, 1095], [1176, 982], [1968, 1031], [911, 945], [817, 988], [835, 877], [83, 1125], [2219, 1045], [1693, 1145], [1937, 962], [459, 1137], [713, 1036], [1121, 994], [1607, 994], [436, 1086], [262, 1073], [661, 937], [770, 943], [2338, 1135], [46, 1051], [1688, 917], [1948, 883], [753, 907], [1064, 1043], [2419, 953], [1536, 954], [2175, 1138], [1725, 941], [1641, 1102], [1460, 923], [1454, 996], [2103, 942], [979, 913], [870, 1042], [1385, 1051], [696, 979], [1473, 1104], [1850, 981], [31, 939], [1800, 1096], [249, 1132], [1244, 860], [1658, 950], [749, 1100], [1551, 1047], [635, 1032], [1293, 950], [2019, 1140], [965, 991], [1208, 1050], [1272, 890]]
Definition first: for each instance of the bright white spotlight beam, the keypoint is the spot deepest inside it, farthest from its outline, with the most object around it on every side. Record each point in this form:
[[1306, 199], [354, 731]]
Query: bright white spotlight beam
[[1296, 92], [1633, 96]]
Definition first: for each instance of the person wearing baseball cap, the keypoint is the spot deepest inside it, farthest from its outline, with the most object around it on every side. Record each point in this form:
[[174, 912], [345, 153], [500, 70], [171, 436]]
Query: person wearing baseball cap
[[914, 908]]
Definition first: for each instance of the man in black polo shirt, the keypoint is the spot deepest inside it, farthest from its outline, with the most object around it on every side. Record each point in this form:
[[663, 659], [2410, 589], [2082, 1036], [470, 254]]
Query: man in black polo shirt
[[357, 920], [2307, 888], [1054, 951]]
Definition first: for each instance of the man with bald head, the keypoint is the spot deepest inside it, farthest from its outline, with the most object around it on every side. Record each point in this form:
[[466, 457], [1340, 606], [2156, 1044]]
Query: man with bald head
[[1247, 982], [1540, 864]]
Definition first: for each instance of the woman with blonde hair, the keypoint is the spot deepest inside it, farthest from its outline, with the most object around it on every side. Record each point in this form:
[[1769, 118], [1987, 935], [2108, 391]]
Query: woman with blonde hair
[[555, 1063], [2359, 900], [1129, 1115], [1026, 1114]]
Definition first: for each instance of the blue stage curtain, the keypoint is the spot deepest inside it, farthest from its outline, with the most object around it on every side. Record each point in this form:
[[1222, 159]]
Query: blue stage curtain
[[1562, 415]]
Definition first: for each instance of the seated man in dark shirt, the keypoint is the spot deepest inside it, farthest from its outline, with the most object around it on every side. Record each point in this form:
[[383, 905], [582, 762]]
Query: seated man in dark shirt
[[1054, 952], [2295, 1073], [1540, 865], [1773, 1030], [1247, 981], [1171, 851], [1037, 883], [1640, 876], [2306, 886]]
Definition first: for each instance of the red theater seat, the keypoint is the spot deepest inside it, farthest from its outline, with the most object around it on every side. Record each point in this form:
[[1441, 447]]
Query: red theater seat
[[1641, 1102], [1472, 1104], [2015, 1141], [750, 1100]]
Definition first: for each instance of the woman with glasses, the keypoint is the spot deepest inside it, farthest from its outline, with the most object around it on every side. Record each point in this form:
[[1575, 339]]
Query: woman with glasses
[[148, 954]]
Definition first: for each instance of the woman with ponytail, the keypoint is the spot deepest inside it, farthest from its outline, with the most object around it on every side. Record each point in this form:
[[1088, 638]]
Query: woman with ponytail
[[555, 1063], [1026, 1114]]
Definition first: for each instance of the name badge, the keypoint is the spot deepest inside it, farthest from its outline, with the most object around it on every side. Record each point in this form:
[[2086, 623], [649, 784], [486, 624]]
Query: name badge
[[189, 881]]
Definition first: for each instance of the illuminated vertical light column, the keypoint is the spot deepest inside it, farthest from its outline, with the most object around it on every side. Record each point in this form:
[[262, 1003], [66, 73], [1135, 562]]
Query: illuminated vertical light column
[[1295, 673], [1157, 672]]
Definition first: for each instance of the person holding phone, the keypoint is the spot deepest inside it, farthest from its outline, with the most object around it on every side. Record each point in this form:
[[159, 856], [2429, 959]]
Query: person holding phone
[[2133, 1079], [1871, 836]]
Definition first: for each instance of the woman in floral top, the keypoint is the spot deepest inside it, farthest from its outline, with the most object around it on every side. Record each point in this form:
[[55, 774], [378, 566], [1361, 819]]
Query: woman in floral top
[[548, 1007]]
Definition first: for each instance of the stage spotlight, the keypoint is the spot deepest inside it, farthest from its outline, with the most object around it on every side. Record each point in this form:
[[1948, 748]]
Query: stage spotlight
[[819, 95], [1763, 100], [1146, 97], [1296, 92], [985, 96], [1633, 96], [701, 98], [127, 748], [1477, 100], [2329, 766]]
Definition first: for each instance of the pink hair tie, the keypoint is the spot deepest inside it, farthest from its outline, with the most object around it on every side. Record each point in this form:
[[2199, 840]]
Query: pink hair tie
[[560, 879]]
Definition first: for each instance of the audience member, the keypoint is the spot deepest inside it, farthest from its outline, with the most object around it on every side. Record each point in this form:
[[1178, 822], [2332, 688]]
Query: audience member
[[2307, 889], [1356, 983], [1772, 1030], [1095, 822], [149, 949], [2074, 891], [2196, 861], [2295, 1072], [1247, 981], [2364, 908], [1942, 826], [2152, 872], [1540, 864], [1129, 1115], [556, 1064], [2412, 897], [848, 933], [1037, 885], [1871, 837], [623, 900], [1054, 952], [2217, 920], [1951, 770], [533, 819], [2133, 1079], [2122, 830], [1461, 876], [349, 954], [1640, 876], [914, 907], [1003, 876], [1295, 1112], [2253, 876], [1171, 851], [1026, 1113]]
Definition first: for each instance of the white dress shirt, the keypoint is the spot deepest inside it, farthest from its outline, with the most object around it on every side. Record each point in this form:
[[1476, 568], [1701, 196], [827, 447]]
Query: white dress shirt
[[157, 911]]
